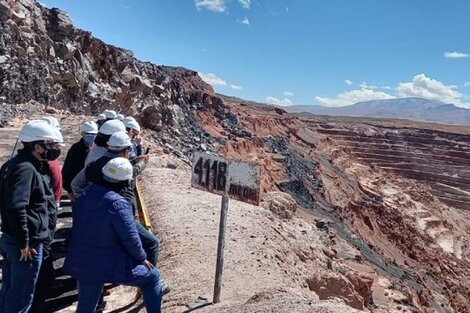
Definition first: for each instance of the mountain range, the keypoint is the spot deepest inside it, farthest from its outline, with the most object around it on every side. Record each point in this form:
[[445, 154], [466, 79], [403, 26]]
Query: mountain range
[[416, 109]]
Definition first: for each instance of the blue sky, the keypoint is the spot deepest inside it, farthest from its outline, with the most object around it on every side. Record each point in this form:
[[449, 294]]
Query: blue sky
[[328, 52]]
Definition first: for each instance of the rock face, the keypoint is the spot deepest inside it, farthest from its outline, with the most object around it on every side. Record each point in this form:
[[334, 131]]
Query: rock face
[[45, 59], [397, 192], [356, 291]]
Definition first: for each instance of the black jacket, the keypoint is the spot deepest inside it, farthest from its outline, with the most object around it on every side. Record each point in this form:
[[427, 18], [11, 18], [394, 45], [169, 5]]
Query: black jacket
[[74, 163], [27, 203]]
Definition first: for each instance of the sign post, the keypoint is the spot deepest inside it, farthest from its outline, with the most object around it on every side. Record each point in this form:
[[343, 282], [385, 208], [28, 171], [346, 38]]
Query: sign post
[[230, 179], [219, 268]]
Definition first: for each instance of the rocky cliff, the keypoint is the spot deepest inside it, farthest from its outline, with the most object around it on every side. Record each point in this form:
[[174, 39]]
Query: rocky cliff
[[398, 193], [45, 59]]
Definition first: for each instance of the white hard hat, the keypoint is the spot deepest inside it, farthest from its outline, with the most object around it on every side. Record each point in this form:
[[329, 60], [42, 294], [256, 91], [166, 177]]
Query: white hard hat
[[51, 121], [118, 169], [120, 117], [39, 130], [110, 114], [132, 124], [60, 138], [101, 117], [89, 127], [128, 118], [112, 126], [118, 141]]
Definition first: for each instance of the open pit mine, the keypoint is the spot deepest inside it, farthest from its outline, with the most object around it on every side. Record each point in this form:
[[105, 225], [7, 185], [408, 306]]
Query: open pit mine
[[387, 202]]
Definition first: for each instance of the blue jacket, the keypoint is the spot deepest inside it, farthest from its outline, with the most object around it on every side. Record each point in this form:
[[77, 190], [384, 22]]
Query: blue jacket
[[105, 246]]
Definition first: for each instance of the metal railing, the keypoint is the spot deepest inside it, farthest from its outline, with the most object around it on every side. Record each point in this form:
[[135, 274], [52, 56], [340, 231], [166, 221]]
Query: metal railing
[[142, 212]]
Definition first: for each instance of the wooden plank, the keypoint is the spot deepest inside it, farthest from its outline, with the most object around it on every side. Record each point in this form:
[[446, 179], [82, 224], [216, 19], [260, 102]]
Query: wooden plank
[[220, 249]]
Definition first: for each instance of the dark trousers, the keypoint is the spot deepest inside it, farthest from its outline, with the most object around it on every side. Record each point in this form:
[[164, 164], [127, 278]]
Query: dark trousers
[[44, 283], [150, 243], [45, 278], [89, 293], [19, 277]]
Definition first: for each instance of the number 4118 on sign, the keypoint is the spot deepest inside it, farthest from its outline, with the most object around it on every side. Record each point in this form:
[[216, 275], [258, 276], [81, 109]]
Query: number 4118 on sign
[[215, 174]]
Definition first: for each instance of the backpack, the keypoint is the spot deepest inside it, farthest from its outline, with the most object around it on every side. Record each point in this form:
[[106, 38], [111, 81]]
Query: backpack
[[4, 185]]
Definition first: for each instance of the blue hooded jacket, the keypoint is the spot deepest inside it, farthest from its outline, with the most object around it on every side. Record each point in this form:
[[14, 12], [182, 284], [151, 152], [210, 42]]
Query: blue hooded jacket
[[105, 246]]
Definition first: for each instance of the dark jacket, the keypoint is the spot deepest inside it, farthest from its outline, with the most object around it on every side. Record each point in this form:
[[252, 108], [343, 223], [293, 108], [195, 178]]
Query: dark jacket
[[74, 163], [27, 203], [94, 175], [105, 245]]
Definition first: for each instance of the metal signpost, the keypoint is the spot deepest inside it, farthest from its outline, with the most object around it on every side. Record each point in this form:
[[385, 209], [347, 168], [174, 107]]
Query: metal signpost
[[230, 179]]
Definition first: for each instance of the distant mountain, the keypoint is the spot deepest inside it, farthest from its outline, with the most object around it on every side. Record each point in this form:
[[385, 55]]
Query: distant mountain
[[416, 109]]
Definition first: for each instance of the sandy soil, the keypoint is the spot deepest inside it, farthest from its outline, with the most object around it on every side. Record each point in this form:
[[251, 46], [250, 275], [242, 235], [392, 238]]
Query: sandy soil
[[266, 256]]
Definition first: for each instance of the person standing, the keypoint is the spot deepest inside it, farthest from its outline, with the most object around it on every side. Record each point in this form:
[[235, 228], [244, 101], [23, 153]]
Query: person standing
[[105, 245], [46, 274], [137, 148], [54, 165], [75, 159], [100, 119], [98, 150], [27, 213]]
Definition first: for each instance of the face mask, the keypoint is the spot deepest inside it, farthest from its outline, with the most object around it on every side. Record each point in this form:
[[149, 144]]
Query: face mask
[[88, 139], [50, 154]]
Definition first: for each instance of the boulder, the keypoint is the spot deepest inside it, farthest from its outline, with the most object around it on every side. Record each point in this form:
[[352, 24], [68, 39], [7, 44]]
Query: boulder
[[334, 285], [59, 25], [18, 17], [140, 84], [65, 51], [280, 204], [128, 74], [69, 80], [158, 89], [4, 10]]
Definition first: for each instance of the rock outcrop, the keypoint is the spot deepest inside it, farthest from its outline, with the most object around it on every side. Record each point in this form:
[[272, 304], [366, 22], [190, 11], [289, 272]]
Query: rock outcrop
[[44, 58], [399, 194]]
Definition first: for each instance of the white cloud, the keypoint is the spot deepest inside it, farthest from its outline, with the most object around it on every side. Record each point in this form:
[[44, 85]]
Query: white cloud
[[352, 97], [218, 6], [288, 93], [280, 102], [428, 88], [245, 21], [364, 85], [466, 84], [456, 55], [348, 82], [245, 3], [213, 79]]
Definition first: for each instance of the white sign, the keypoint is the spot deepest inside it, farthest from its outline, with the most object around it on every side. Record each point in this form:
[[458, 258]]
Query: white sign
[[215, 174]]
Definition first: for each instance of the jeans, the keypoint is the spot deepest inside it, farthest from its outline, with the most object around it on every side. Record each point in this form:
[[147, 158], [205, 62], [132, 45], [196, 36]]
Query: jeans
[[89, 293], [150, 243], [19, 277], [43, 285]]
